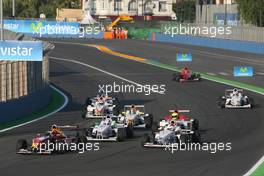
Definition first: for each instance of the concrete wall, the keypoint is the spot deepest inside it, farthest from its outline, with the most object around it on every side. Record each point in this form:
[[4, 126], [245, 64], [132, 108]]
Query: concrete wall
[[21, 78], [24, 86], [244, 46], [19, 108]]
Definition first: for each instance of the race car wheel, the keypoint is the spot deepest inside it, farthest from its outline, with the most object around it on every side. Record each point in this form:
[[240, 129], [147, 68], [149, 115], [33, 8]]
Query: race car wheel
[[145, 139], [251, 102], [88, 102], [155, 126], [148, 121], [89, 132], [196, 137], [81, 139], [84, 112], [195, 125], [129, 132], [121, 133], [176, 77], [221, 102], [116, 111], [198, 76], [185, 139], [21, 144]]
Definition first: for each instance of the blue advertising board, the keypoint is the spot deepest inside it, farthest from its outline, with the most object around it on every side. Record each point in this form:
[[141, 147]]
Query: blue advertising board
[[240, 71], [21, 50], [184, 57], [229, 19], [42, 28]]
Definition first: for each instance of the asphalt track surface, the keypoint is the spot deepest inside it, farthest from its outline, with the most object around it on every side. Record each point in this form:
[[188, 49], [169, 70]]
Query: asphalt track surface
[[243, 128], [216, 62]]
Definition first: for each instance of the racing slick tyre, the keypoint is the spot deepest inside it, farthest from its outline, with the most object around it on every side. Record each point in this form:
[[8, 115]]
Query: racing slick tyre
[[185, 139], [221, 102], [84, 112], [88, 101], [129, 132], [155, 126], [199, 77], [144, 139], [21, 144], [148, 121], [176, 77], [195, 125], [251, 102], [121, 134], [89, 132], [196, 137]]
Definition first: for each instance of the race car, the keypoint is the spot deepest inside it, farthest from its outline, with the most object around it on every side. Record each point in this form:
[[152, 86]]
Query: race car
[[180, 119], [39, 145], [109, 130], [171, 134], [235, 98], [135, 116], [186, 76], [100, 106]]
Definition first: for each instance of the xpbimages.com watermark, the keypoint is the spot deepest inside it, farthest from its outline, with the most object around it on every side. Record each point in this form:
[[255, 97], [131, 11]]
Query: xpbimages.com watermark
[[206, 147], [211, 31], [132, 88], [75, 147], [64, 29]]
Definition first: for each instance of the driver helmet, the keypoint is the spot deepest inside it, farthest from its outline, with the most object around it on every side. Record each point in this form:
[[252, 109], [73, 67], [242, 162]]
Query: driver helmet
[[235, 91], [54, 126], [174, 115], [172, 123]]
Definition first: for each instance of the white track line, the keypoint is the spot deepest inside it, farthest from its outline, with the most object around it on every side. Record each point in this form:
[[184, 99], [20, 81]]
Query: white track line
[[254, 167], [106, 72], [66, 100], [223, 73]]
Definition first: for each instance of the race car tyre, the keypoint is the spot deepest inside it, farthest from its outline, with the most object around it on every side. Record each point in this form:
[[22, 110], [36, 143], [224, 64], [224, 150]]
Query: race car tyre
[[89, 132], [251, 102], [176, 77], [81, 139], [195, 125], [148, 121], [185, 139], [129, 132], [221, 102], [84, 112], [116, 111], [196, 137], [144, 139], [155, 126], [121, 134], [88, 101], [198, 76], [21, 144]]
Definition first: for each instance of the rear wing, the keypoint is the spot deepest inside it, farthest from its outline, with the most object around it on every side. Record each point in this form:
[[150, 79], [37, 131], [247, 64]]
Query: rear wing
[[136, 106], [180, 111]]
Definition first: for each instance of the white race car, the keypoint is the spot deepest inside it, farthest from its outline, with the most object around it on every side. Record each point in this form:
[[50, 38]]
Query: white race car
[[170, 134], [235, 98], [135, 116], [100, 106], [109, 130]]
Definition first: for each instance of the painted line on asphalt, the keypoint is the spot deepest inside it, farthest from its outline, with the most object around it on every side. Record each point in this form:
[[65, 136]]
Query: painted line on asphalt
[[255, 167], [66, 100], [106, 72]]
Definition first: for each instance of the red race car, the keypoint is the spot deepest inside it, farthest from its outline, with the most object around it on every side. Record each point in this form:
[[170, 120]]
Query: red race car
[[186, 76]]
